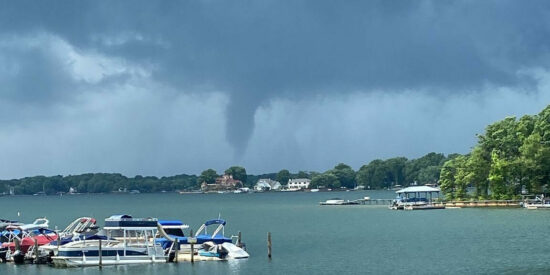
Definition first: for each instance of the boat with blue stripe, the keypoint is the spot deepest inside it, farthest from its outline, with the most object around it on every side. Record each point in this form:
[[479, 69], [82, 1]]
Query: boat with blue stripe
[[127, 240]]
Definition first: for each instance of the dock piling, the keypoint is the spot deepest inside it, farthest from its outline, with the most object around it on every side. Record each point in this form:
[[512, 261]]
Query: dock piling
[[192, 248], [58, 239], [176, 250], [17, 244], [239, 240], [269, 245], [35, 250], [100, 255]]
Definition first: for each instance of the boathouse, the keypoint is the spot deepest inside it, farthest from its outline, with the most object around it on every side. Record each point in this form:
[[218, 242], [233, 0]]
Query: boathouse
[[421, 193]]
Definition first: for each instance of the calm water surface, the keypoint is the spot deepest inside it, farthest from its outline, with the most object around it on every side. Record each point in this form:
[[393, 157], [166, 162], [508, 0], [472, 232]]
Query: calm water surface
[[313, 239]]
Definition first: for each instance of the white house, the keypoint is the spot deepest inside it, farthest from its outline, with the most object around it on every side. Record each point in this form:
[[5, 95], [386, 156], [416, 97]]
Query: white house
[[267, 184], [298, 183]]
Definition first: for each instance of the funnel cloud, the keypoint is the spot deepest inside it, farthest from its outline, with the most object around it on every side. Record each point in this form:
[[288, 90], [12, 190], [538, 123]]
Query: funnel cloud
[[165, 88]]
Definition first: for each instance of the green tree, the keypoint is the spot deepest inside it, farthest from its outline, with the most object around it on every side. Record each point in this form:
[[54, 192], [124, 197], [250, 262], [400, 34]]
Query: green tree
[[238, 173], [327, 180], [345, 175], [477, 167], [283, 176], [498, 176], [209, 176], [448, 178], [302, 175], [395, 168], [373, 175], [429, 175]]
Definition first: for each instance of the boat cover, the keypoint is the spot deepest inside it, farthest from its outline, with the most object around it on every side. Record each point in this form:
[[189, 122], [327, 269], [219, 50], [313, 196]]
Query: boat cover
[[216, 221], [170, 222]]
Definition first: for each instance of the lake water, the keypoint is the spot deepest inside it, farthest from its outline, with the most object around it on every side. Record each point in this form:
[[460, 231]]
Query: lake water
[[313, 239]]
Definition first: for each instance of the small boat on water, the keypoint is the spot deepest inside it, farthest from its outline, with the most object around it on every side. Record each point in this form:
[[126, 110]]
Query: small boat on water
[[218, 242], [18, 239], [338, 201], [127, 240], [80, 229], [207, 246]]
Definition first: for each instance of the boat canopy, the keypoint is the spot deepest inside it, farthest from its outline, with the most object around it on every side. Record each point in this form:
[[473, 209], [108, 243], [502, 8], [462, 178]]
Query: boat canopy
[[216, 221], [170, 222], [418, 189], [119, 217], [126, 221]]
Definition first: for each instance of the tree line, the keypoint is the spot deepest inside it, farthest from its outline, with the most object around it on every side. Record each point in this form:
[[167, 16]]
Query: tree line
[[375, 175], [512, 157]]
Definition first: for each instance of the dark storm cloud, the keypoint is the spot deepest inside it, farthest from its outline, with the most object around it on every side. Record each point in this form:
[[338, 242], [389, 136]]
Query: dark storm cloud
[[257, 51]]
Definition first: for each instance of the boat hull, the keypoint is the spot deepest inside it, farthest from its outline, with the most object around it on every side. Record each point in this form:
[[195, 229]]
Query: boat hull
[[60, 261]]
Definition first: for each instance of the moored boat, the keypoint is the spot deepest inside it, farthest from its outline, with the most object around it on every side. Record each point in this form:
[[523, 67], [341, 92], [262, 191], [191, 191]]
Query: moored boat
[[209, 246], [416, 198], [80, 229], [18, 239], [127, 240], [338, 201]]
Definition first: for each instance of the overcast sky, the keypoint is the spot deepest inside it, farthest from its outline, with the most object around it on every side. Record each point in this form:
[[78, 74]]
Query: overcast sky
[[164, 88]]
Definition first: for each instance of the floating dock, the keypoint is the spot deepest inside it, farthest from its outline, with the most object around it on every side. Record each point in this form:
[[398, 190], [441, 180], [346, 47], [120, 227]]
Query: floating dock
[[368, 201], [483, 203]]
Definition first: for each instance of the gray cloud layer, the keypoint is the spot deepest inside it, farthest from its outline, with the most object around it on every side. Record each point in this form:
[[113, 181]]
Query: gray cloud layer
[[245, 60]]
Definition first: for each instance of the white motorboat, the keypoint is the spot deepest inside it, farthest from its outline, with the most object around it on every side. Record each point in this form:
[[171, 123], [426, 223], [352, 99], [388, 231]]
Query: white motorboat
[[127, 241], [338, 201], [210, 246], [79, 229]]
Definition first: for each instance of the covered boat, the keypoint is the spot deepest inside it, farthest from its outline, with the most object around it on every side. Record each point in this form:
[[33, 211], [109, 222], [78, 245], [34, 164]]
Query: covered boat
[[416, 198], [127, 240], [17, 240], [80, 229]]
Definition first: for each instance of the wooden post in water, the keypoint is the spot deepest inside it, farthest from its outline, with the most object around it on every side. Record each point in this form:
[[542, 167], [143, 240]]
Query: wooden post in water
[[269, 245], [35, 250], [239, 240], [192, 247], [176, 250], [192, 253], [100, 255], [17, 244], [58, 241]]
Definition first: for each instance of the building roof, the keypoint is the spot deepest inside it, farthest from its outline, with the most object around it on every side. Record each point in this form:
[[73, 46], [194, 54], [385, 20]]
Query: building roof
[[414, 189], [299, 180]]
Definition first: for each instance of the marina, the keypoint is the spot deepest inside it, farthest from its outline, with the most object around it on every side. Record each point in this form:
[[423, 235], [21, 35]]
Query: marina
[[123, 240], [255, 215]]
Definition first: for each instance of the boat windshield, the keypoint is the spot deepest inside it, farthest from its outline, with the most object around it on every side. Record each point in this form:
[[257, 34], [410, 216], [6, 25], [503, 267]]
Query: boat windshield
[[174, 232]]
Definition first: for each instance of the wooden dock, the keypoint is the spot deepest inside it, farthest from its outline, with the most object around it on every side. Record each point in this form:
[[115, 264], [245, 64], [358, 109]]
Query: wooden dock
[[483, 203], [373, 201], [453, 204]]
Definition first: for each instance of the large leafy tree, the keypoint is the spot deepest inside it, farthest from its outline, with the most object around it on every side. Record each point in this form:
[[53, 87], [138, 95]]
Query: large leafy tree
[[372, 175], [209, 176], [395, 169], [345, 175], [283, 176], [327, 180], [238, 173]]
